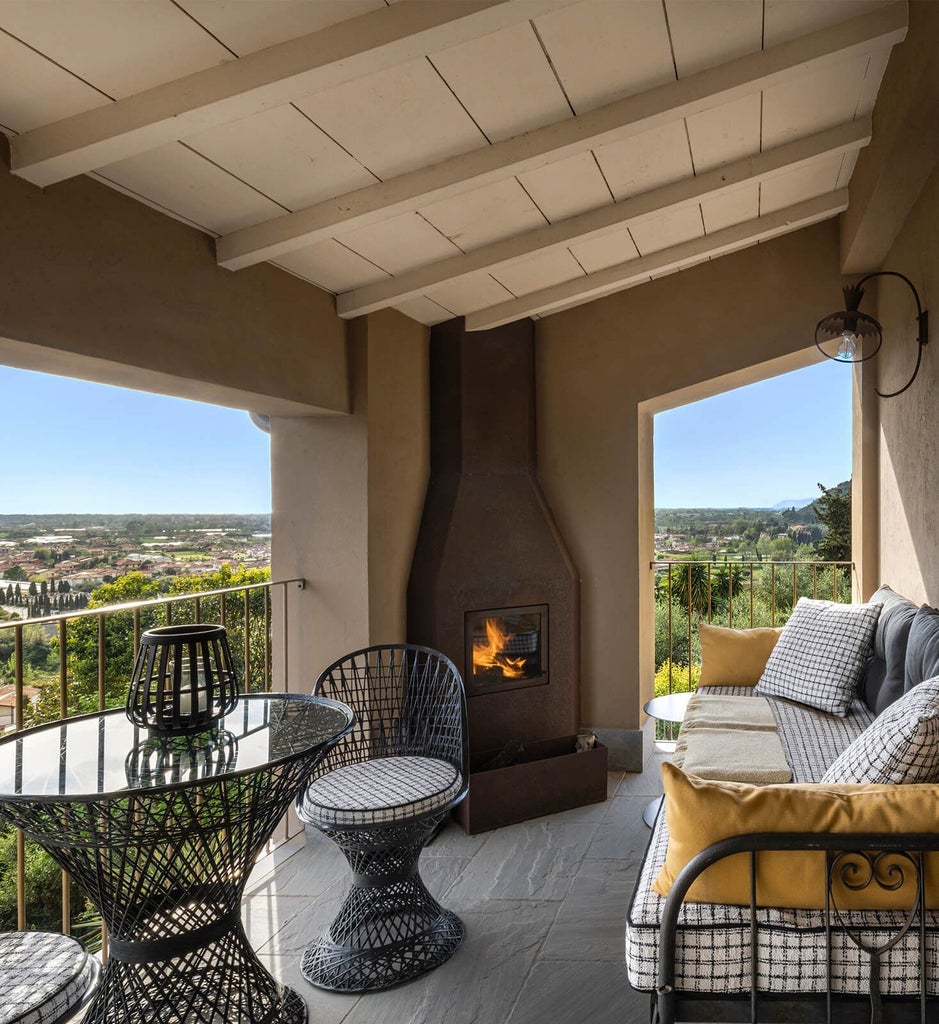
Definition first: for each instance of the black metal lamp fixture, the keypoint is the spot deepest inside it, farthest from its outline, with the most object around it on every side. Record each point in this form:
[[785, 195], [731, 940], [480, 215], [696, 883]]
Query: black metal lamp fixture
[[183, 680], [851, 336]]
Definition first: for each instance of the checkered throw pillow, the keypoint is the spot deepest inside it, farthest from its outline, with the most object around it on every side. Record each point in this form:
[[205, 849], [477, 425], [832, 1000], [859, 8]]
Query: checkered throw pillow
[[900, 745], [820, 654]]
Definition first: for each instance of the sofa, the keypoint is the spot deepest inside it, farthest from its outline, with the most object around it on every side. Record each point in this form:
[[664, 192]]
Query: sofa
[[865, 939]]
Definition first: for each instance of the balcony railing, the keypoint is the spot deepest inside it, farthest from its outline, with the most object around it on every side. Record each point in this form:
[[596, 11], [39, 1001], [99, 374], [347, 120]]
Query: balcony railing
[[738, 594], [95, 650]]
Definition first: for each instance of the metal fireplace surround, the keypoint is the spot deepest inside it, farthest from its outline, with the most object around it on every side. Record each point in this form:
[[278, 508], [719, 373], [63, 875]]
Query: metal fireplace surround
[[488, 539]]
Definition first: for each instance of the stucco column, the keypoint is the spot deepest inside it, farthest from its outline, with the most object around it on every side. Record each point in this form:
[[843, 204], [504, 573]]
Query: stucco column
[[347, 493], [865, 481]]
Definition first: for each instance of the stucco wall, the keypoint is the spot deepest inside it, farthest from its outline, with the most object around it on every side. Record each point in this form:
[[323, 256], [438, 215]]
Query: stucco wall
[[398, 464], [909, 424], [97, 285], [602, 370], [347, 498]]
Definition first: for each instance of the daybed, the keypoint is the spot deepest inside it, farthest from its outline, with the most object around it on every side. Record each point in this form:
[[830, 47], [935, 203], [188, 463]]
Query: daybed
[[734, 955]]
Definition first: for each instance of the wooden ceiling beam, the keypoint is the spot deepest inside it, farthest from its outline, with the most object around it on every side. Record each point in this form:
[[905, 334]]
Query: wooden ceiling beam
[[606, 219], [883, 27], [635, 271], [258, 81]]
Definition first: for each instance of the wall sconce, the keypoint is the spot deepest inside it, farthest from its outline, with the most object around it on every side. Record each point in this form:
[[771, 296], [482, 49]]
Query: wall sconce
[[851, 336]]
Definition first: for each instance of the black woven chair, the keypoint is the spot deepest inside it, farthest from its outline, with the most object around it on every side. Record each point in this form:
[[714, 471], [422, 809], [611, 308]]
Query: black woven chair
[[380, 794]]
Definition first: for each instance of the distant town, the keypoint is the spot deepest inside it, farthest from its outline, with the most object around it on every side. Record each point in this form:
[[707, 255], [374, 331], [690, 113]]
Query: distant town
[[49, 562], [792, 529]]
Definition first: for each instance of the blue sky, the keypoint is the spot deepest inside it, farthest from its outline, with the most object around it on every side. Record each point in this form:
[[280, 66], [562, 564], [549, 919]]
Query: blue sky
[[757, 445], [71, 446]]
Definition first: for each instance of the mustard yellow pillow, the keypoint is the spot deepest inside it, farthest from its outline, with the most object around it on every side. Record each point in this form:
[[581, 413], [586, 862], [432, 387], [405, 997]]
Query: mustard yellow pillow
[[734, 657], [700, 812]]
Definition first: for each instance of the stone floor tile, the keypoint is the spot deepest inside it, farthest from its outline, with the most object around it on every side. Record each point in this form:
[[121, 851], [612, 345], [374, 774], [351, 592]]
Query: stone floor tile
[[579, 993], [591, 920], [452, 841], [480, 983], [325, 1007], [645, 783], [312, 870], [534, 860], [263, 917], [622, 834]]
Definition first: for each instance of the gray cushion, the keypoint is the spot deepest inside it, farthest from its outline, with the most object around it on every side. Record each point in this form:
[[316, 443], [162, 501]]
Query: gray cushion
[[922, 649], [900, 746], [883, 678]]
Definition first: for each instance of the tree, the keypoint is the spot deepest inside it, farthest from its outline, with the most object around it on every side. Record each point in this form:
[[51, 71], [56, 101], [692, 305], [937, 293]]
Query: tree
[[833, 509], [119, 653], [43, 887], [16, 572]]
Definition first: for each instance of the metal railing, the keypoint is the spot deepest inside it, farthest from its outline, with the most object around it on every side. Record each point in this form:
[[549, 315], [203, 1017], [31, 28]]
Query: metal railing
[[96, 648], [735, 594]]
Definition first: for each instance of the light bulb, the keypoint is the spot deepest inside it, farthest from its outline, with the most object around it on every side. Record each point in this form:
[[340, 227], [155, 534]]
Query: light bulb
[[847, 346]]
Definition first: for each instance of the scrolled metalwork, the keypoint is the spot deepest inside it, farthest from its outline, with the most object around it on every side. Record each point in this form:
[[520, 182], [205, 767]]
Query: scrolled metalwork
[[856, 861]]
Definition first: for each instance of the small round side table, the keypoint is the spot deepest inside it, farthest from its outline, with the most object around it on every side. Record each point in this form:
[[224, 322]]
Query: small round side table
[[670, 707]]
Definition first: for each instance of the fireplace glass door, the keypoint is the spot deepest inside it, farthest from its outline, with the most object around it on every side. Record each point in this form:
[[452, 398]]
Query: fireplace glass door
[[506, 648]]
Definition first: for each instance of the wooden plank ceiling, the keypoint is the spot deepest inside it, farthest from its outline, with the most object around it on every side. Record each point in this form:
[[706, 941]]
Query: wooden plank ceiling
[[487, 158]]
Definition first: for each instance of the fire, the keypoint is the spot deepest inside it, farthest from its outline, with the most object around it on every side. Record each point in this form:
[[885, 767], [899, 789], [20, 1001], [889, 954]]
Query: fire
[[489, 654]]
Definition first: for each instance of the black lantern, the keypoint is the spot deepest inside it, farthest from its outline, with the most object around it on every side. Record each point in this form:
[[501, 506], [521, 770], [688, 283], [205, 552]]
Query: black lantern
[[183, 679], [850, 336]]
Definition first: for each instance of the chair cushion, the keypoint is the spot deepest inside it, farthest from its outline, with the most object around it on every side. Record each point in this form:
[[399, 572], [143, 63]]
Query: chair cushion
[[900, 745], [43, 977], [820, 654], [382, 792]]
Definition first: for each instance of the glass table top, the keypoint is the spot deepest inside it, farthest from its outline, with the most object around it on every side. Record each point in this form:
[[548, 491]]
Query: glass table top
[[95, 755]]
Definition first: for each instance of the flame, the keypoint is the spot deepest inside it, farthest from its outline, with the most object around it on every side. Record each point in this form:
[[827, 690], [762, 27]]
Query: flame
[[489, 654]]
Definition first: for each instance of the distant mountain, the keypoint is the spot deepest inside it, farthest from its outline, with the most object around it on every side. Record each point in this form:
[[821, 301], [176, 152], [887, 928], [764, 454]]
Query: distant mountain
[[791, 503]]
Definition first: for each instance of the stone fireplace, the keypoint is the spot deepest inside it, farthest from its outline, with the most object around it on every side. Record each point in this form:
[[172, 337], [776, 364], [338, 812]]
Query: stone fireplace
[[492, 584]]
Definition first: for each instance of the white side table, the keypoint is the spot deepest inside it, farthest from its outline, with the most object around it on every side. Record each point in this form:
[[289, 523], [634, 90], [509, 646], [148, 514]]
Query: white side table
[[670, 707]]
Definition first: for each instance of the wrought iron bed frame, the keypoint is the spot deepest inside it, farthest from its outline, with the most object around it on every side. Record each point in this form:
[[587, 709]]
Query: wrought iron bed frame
[[846, 854]]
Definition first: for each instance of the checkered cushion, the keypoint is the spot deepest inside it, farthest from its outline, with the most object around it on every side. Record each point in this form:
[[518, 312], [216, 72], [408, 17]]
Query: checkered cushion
[[713, 949], [901, 745], [43, 977], [820, 654], [713, 953], [382, 791]]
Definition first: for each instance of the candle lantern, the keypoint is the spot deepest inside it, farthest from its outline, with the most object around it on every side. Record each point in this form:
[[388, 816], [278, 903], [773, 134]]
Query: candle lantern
[[183, 679]]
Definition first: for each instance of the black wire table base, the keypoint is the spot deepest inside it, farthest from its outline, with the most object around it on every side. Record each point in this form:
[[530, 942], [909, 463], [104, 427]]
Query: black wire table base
[[167, 866], [389, 929], [220, 983]]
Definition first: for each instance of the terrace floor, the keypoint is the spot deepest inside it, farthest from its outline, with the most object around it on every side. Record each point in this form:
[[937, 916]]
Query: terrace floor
[[544, 904]]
